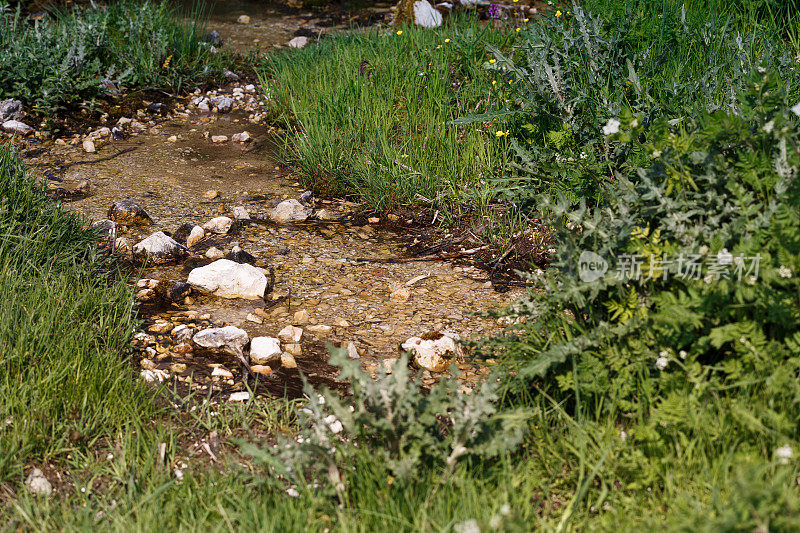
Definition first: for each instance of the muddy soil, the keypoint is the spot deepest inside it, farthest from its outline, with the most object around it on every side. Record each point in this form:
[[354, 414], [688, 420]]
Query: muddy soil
[[333, 269]]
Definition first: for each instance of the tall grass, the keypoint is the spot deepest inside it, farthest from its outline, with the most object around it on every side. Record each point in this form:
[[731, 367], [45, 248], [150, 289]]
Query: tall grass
[[64, 58], [368, 112]]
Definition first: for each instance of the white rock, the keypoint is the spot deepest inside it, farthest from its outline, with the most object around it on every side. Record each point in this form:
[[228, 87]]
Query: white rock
[[219, 225], [221, 372], [243, 19], [214, 253], [290, 211], [426, 15], [298, 42], [159, 248], [291, 334], [239, 397], [264, 349], [203, 105], [229, 279], [243, 137], [319, 329], [196, 235], [38, 484], [154, 375], [88, 147], [11, 110], [241, 213], [219, 138], [16, 127], [228, 337], [352, 351], [434, 355]]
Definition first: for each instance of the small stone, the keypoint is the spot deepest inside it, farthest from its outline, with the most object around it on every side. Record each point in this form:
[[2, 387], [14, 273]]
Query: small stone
[[239, 397], [373, 220], [219, 225], [262, 370], [38, 484], [400, 295], [294, 349], [183, 333], [147, 364], [172, 139], [288, 361], [160, 327], [214, 253], [298, 42], [352, 351], [196, 235], [219, 139], [301, 317], [211, 194], [151, 376], [224, 105], [183, 348], [264, 349], [159, 248], [228, 337], [290, 211], [341, 322], [320, 329], [433, 351], [179, 290], [88, 147], [11, 110], [240, 256], [291, 334], [16, 127], [177, 368], [241, 213], [221, 372], [243, 19], [128, 213], [243, 137]]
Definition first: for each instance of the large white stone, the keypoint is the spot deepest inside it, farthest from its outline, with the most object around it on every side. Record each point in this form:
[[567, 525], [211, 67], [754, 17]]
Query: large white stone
[[298, 42], [228, 279], [196, 235], [433, 354], [38, 484], [264, 349], [426, 15], [229, 337], [290, 211], [159, 248]]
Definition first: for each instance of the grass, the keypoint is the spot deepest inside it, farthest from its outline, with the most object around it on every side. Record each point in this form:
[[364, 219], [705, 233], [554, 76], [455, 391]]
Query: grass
[[62, 60], [369, 111]]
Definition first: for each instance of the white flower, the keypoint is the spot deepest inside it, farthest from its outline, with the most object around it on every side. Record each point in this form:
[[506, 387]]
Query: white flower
[[661, 363], [656, 153], [761, 69], [769, 126], [683, 354], [623, 435], [293, 492], [785, 272], [796, 109], [505, 510], [583, 155], [751, 280], [724, 257], [784, 454], [612, 126]]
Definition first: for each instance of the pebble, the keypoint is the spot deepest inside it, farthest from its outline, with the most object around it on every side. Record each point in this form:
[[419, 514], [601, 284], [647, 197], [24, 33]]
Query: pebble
[[214, 253], [239, 397], [264, 349], [301, 317], [263, 370], [288, 361], [221, 372], [291, 334], [243, 19], [218, 139], [219, 225], [196, 235], [88, 147], [38, 484], [243, 137]]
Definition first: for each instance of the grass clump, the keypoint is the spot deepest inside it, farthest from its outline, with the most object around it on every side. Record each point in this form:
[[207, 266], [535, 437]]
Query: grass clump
[[369, 112], [67, 58], [64, 330]]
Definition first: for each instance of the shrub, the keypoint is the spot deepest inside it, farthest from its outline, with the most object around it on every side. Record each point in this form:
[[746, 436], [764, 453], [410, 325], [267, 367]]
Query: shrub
[[396, 422]]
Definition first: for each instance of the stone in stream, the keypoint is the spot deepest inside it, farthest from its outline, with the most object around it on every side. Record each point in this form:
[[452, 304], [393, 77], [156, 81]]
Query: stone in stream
[[107, 230], [16, 127], [289, 211], [240, 256], [220, 225], [37, 483], [159, 248], [306, 197], [228, 279], [229, 338], [179, 291], [433, 351], [196, 235], [11, 110], [182, 232], [241, 213], [214, 253], [129, 213], [265, 349]]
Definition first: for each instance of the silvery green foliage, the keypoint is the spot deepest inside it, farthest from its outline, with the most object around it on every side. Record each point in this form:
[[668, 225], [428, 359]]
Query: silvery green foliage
[[396, 421]]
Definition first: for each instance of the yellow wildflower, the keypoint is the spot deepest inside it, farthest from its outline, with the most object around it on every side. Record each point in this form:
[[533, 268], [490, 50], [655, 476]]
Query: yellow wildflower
[[492, 61], [447, 40], [400, 32], [558, 14]]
